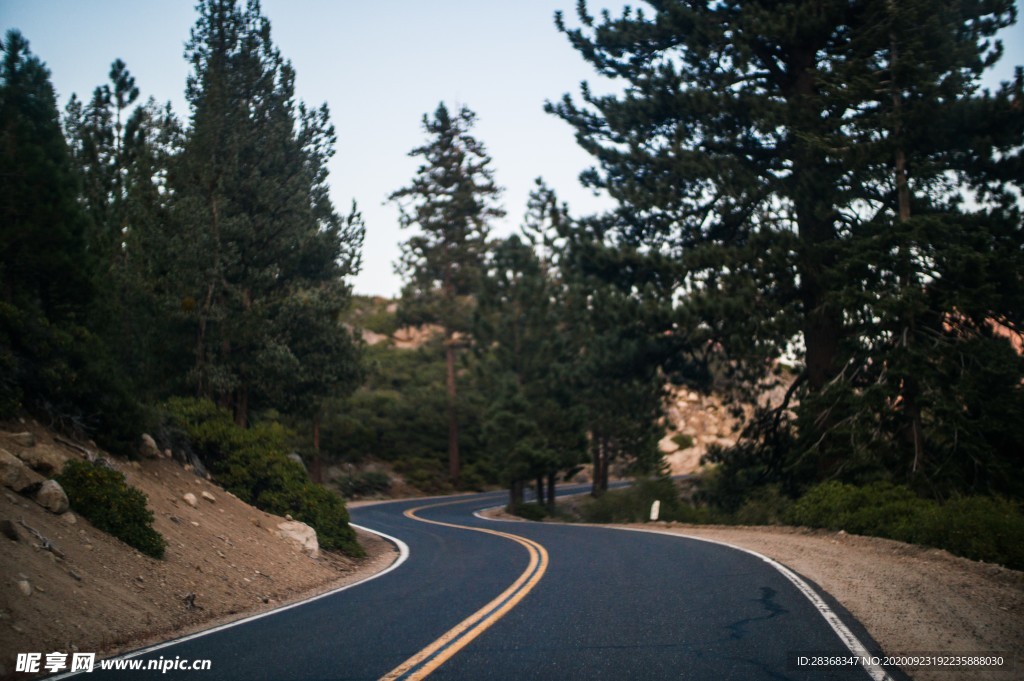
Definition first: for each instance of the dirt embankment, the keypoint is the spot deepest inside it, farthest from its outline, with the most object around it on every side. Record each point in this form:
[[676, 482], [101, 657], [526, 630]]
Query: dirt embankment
[[224, 560]]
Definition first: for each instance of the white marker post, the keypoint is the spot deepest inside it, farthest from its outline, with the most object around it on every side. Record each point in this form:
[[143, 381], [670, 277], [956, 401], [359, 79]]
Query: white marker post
[[655, 509]]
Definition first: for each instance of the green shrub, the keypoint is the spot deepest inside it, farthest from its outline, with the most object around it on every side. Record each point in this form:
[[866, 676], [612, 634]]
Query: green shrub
[[251, 463], [427, 475], [766, 506], [531, 511], [633, 504], [980, 528], [682, 440], [880, 509], [104, 497], [364, 483], [319, 508]]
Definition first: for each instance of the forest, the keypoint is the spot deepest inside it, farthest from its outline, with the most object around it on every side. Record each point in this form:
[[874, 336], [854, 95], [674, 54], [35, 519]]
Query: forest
[[821, 204]]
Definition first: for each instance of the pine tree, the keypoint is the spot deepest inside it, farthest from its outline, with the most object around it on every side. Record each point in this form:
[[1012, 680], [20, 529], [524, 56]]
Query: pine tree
[[783, 172], [609, 346], [43, 244], [451, 200], [532, 422], [122, 157], [51, 359], [941, 283], [257, 230]]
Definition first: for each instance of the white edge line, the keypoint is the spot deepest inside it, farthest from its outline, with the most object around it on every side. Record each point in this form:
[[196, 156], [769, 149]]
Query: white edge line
[[479, 514], [403, 555], [849, 639]]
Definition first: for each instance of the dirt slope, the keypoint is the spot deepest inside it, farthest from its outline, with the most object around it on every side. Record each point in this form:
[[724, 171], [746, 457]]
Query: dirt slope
[[103, 596]]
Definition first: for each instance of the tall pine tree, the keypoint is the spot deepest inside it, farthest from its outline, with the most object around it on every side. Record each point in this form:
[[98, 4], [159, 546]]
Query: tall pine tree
[[452, 200], [533, 425], [256, 231], [51, 359], [784, 172]]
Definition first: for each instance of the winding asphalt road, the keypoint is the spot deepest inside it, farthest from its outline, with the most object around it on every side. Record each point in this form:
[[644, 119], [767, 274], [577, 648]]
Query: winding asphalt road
[[482, 600]]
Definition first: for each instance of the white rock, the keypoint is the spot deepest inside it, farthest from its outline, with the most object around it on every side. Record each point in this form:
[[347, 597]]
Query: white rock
[[148, 449], [209, 497], [190, 499], [51, 496], [25, 587], [300, 533]]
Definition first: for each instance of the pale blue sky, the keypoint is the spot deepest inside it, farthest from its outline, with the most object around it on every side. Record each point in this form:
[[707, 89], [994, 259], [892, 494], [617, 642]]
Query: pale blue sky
[[379, 65]]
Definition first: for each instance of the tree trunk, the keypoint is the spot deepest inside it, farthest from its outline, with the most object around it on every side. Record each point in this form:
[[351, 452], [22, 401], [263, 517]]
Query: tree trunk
[[602, 472], [206, 311], [453, 423], [242, 406], [812, 188], [909, 390], [551, 491], [540, 490], [515, 494], [600, 483], [317, 470]]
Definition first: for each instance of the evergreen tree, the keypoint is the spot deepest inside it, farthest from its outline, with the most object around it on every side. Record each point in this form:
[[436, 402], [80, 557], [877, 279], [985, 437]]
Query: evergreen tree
[[43, 244], [51, 361], [256, 231], [532, 422], [122, 160], [452, 200], [784, 174]]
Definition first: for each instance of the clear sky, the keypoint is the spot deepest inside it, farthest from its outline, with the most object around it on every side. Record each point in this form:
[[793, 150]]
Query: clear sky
[[380, 65]]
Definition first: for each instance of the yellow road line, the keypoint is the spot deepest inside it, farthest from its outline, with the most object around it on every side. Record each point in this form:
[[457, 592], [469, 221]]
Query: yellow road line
[[423, 663]]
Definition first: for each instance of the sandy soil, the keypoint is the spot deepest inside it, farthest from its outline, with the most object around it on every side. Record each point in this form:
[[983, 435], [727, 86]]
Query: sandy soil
[[102, 596]]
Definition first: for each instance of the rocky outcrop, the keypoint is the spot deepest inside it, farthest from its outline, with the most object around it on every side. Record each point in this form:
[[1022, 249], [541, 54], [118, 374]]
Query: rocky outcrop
[[148, 448], [693, 423], [51, 496], [44, 459], [373, 338], [300, 533], [412, 337], [15, 474]]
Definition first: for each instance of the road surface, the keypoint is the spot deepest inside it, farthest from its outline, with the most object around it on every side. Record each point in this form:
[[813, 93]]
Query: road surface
[[481, 600]]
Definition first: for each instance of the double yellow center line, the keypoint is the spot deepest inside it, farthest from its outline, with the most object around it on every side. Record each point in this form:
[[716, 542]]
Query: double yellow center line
[[423, 663]]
